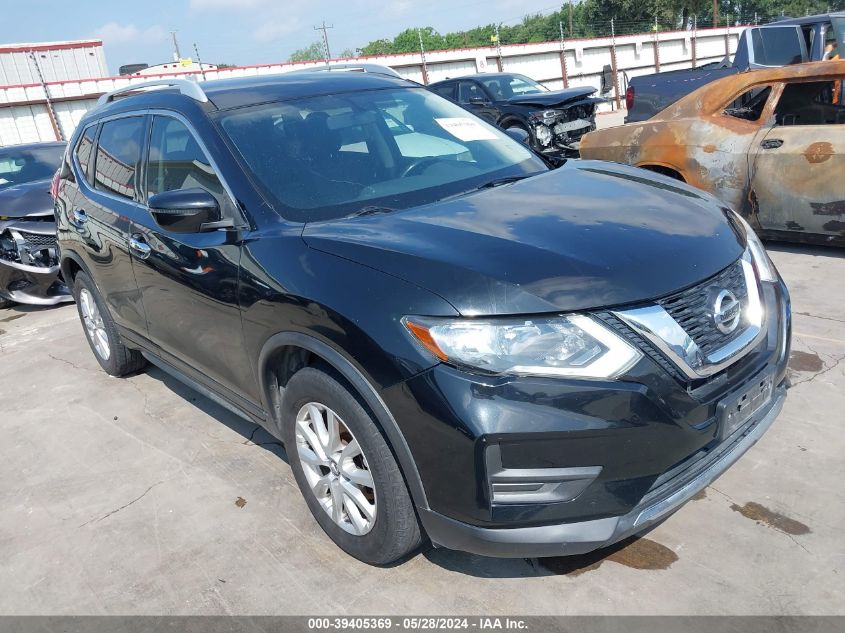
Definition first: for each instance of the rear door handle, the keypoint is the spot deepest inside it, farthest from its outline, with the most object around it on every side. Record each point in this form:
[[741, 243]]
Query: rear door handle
[[78, 217], [139, 247], [771, 143]]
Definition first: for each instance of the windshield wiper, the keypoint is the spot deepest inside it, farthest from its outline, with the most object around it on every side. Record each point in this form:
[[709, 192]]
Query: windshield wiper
[[498, 182], [490, 184], [370, 210]]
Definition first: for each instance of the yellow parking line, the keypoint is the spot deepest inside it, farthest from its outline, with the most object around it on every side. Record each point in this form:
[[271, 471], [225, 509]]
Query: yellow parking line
[[820, 338]]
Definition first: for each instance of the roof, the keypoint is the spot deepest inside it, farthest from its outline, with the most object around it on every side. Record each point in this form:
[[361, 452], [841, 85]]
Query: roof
[[26, 146], [476, 76], [810, 19], [231, 93], [48, 46], [714, 95]]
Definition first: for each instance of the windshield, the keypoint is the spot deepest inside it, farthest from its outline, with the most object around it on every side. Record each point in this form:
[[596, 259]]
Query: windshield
[[18, 166], [326, 157], [506, 86]]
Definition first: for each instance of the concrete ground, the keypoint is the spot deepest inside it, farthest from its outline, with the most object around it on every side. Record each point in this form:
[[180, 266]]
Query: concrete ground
[[138, 496]]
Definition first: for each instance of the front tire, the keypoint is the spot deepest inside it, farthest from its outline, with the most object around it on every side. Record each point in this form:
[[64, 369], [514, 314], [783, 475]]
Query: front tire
[[115, 358], [346, 471]]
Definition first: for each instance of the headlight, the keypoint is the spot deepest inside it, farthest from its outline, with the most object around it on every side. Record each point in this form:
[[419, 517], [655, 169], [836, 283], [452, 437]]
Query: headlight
[[574, 345], [543, 134], [546, 116], [765, 268]]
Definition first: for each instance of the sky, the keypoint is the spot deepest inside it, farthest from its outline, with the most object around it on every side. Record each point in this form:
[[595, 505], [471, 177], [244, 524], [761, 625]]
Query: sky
[[240, 32]]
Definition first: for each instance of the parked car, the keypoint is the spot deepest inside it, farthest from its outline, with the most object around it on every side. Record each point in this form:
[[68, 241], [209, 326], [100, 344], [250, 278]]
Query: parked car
[[555, 120], [788, 41], [770, 144], [29, 263], [474, 348]]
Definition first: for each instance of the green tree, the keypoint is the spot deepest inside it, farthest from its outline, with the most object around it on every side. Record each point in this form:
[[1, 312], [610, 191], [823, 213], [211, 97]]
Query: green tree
[[591, 18], [310, 53]]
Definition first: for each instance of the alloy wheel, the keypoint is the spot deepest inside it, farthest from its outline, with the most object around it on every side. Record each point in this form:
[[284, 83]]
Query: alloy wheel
[[336, 468], [93, 321]]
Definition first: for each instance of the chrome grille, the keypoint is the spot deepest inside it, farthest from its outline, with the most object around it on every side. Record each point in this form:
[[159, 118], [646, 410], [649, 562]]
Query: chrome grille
[[692, 309], [37, 241]]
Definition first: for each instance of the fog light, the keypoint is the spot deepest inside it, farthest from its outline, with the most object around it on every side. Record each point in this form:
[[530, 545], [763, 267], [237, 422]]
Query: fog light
[[535, 485], [543, 134]]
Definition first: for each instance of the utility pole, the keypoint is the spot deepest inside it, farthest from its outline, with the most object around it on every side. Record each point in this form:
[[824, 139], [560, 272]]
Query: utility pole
[[570, 18], [324, 29], [176, 54], [613, 64], [563, 69], [199, 61], [499, 63], [715, 14], [422, 57], [54, 121]]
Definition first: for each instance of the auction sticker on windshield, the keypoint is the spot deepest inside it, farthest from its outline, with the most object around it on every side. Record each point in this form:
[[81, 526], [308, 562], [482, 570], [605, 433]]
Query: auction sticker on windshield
[[466, 129]]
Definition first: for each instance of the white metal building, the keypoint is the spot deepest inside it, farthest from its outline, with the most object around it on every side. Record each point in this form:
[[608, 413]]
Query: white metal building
[[58, 61], [32, 112]]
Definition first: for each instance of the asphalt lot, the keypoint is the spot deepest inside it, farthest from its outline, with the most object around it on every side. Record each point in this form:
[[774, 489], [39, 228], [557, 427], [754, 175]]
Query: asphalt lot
[[138, 496]]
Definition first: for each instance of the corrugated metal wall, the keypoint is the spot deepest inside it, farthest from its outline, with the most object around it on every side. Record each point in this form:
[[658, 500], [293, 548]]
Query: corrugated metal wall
[[59, 61], [24, 115]]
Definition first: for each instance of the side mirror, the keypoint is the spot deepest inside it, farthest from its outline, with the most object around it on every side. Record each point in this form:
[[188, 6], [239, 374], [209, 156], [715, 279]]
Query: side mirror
[[519, 135], [478, 101], [184, 210]]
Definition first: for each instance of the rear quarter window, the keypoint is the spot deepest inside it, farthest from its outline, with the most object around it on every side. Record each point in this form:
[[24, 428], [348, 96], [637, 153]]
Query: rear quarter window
[[118, 156], [84, 151]]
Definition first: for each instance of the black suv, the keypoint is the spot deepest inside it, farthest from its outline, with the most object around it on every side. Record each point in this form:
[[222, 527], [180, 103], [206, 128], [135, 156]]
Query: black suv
[[452, 340]]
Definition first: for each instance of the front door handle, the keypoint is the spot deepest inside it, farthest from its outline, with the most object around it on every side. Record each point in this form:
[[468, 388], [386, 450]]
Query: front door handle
[[139, 247], [771, 143], [77, 217]]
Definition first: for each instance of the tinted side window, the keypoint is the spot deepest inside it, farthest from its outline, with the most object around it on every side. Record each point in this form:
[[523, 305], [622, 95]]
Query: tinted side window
[[776, 46], [85, 150], [469, 90], [118, 155], [177, 162], [447, 90]]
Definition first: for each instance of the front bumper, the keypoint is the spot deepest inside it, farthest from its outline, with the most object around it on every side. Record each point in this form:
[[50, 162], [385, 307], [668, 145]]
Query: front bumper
[[34, 285], [629, 451], [29, 269], [582, 537]]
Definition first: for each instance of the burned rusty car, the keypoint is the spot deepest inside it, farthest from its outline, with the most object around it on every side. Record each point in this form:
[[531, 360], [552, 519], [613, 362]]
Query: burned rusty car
[[29, 264], [769, 144]]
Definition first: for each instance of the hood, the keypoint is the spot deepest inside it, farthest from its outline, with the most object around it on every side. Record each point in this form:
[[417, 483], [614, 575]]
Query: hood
[[553, 98], [30, 199], [588, 235]]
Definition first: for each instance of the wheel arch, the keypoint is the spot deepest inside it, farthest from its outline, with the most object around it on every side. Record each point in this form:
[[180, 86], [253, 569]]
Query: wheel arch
[[510, 119], [71, 265], [286, 352], [663, 168]]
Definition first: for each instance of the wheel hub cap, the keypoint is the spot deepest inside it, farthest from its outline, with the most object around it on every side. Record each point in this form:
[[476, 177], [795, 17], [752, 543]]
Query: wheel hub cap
[[336, 468]]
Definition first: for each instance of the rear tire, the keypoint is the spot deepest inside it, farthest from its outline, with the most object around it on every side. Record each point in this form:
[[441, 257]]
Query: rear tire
[[115, 358], [375, 520]]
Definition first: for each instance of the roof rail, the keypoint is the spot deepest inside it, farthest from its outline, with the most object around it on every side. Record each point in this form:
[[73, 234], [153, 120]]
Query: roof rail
[[377, 69], [188, 88]]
